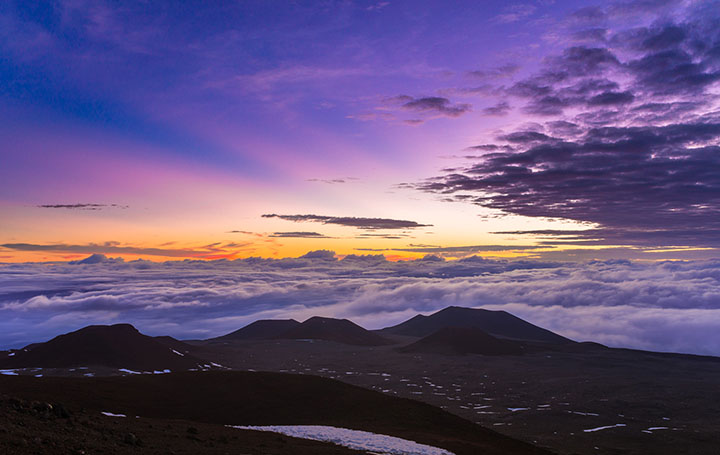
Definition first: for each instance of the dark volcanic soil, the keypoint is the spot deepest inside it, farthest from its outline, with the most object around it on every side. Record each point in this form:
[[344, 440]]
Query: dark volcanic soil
[[40, 428], [463, 340], [244, 398], [549, 398]]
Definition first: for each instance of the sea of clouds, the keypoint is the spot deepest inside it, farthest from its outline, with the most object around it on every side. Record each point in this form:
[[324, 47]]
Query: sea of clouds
[[663, 306]]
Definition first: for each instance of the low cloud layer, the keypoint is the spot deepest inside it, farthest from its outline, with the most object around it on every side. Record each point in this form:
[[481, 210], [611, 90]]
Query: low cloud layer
[[666, 306]]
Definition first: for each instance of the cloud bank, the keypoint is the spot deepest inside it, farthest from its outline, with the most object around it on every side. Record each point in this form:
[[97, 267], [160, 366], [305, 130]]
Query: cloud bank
[[665, 306]]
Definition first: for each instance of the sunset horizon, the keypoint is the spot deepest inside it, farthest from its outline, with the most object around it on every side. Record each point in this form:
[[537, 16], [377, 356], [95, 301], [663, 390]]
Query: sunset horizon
[[360, 226]]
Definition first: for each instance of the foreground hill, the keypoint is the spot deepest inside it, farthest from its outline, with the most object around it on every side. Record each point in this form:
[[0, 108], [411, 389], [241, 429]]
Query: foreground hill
[[115, 346], [264, 329], [464, 340], [265, 399], [337, 330], [37, 428], [499, 324]]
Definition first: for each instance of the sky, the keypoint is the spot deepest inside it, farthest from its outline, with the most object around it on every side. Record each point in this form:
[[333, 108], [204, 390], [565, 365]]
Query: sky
[[544, 131]]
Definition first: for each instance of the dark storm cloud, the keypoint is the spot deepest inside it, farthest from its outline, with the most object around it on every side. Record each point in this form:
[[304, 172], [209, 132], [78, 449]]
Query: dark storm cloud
[[662, 306], [350, 221], [640, 154], [436, 105], [80, 206]]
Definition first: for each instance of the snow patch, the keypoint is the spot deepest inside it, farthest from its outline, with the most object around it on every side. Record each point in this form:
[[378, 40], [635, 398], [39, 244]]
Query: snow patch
[[178, 353], [110, 414], [353, 439], [607, 427], [9, 372], [125, 370]]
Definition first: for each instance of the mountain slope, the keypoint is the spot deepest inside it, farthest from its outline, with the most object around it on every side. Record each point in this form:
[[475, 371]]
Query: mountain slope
[[264, 329], [245, 398], [499, 324], [464, 340], [337, 330], [116, 346]]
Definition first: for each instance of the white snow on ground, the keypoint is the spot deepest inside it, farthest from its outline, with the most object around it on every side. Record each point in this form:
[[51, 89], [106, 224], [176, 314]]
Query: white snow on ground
[[9, 372], [110, 414], [354, 439], [517, 409], [161, 371], [11, 354], [657, 428], [125, 370], [617, 425], [178, 353]]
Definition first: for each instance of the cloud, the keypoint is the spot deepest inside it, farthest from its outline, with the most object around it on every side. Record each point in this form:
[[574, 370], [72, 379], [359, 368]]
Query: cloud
[[631, 147], [79, 206], [207, 251], [96, 258], [435, 105], [332, 181], [393, 236], [499, 72], [669, 306], [356, 222], [515, 13], [459, 251], [501, 108], [300, 234]]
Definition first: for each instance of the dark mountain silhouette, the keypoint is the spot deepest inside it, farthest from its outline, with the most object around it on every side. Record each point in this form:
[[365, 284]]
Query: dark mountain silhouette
[[464, 340], [338, 330], [245, 398], [173, 343], [264, 329], [499, 324], [115, 346]]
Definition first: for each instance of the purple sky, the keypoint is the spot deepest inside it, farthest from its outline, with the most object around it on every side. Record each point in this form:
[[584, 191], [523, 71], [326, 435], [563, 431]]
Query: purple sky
[[540, 131], [145, 129]]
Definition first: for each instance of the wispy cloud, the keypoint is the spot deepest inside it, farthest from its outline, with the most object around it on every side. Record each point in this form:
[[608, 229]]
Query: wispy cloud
[[81, 206], [206, 251], [349, 221], [436, 105], [300, 234]]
